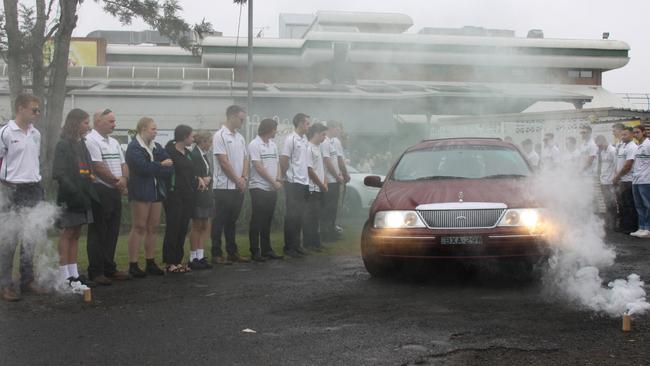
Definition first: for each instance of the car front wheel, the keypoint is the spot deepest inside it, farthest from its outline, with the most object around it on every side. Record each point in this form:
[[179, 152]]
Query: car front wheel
[[376, 265]]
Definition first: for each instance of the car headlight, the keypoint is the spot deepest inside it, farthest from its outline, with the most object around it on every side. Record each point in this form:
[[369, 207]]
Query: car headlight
[[397, 220], [531, 218]]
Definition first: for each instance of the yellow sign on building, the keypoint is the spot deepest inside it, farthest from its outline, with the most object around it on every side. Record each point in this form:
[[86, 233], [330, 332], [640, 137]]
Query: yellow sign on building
[[83, 52]]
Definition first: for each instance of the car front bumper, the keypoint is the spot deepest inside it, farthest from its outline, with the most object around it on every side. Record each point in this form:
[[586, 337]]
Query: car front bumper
[[428, 243]]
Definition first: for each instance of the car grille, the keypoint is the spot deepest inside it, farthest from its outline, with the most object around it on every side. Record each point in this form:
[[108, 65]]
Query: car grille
[[462, 218]]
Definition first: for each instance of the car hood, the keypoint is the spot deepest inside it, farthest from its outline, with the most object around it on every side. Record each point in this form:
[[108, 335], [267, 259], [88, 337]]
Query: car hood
[[408, 195]]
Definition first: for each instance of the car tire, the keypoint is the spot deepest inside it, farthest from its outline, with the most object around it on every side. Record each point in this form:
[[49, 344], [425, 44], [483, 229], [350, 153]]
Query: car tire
[[376, 265], [352, 202]]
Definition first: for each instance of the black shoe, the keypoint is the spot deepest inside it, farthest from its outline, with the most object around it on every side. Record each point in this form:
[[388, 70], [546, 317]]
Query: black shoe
[[86, 281], [272, 255], [135, 271], [153, 269], [203, 262], [292, 254], [194, 264], [258, 258]]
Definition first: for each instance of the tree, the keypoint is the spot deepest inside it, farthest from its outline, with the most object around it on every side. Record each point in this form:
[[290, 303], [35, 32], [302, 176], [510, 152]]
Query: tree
[[25, 32]]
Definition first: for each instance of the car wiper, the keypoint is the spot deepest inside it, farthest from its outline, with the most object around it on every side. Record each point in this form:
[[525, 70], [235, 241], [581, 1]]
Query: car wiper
[[506, 176], [434, 177]]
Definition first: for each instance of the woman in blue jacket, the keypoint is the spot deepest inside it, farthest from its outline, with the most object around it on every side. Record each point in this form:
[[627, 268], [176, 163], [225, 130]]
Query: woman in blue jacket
[[149, 169]]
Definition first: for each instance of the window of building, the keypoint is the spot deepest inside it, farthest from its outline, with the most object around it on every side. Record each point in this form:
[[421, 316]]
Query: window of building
[[580, 74], [586, 73]]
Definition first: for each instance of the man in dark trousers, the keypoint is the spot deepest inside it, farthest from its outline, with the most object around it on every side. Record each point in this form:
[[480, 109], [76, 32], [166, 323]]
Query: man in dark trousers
[[20, 181], [230, 179], [625, 154], [332, 152], [293, 161], [112, 173], [264, 185], [317, 187]]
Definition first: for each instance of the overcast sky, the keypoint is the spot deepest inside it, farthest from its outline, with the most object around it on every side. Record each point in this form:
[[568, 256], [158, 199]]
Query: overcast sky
[[626, 20]]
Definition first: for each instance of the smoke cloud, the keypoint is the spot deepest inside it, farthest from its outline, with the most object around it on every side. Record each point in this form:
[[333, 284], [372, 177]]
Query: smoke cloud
[[579, 250], [30, 225]]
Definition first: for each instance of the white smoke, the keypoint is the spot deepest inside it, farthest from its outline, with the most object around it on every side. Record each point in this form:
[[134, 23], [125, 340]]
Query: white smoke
[[30, 225], [579, 250]]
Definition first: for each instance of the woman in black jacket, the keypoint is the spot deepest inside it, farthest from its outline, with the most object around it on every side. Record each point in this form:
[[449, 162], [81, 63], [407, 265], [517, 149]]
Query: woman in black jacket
[[204, 202], [149, 168], [179, 203], [72, 170]]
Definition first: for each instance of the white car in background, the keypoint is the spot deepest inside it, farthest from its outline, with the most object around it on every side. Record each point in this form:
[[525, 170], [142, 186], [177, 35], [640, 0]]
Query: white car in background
[[358, 197]]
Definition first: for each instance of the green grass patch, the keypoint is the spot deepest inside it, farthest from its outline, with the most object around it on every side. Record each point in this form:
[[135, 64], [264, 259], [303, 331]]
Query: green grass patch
[[348, 245]]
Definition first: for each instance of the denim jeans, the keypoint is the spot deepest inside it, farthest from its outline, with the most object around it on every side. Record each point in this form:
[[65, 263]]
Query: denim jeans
[[642, 203]]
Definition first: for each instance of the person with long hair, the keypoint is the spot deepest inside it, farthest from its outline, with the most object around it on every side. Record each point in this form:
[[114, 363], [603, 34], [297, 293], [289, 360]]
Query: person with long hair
[[204, 202], [72, 170], [149, 168], [179, 203]]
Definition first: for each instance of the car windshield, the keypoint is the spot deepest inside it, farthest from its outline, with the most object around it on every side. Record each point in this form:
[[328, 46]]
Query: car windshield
[[461, 162]]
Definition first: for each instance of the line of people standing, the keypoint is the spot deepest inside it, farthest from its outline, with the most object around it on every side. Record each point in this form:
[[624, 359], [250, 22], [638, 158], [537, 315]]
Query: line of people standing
[[93, 174], [621, 171], [632, 179]]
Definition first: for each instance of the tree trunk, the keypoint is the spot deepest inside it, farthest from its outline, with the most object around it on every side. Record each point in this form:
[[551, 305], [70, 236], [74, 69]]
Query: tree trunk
[[56, 83], [38, 39], [14, 43]]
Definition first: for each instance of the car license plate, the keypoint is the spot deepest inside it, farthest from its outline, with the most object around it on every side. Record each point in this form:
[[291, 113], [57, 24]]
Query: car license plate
[[461, 240]]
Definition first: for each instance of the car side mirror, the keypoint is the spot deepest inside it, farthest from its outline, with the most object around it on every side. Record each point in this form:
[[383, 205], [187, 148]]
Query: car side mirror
[[373, 181]]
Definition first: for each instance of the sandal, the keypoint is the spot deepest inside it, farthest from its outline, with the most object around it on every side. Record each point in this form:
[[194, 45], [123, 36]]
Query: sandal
[[173, 268], [178, 268]]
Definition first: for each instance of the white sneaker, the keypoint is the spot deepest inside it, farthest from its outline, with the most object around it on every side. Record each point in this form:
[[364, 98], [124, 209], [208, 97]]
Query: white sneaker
[[644, 234], [636, 233], [77, 287]]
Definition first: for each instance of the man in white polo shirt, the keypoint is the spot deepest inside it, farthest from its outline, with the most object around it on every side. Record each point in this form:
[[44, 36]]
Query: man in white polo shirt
[[229, 184], [588, 153], [332, 151], [317, 187], [20, 177], [112, 173], [606, 170], [625, 152], [263, 187], [294, 161], [641, 182]]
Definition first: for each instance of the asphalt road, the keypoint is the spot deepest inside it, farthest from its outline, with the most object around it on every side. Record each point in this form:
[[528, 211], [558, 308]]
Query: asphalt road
[[323, 310]]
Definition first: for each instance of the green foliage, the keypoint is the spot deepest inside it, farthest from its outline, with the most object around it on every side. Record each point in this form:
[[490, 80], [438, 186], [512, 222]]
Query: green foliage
[[26, 23], [160, 15]]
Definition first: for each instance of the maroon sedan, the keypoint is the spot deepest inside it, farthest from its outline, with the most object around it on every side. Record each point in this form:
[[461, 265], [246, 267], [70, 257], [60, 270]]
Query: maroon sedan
[[454, 199]]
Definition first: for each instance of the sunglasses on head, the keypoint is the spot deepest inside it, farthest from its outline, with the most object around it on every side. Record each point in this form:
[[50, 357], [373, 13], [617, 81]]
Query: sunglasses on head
[[106, 111]]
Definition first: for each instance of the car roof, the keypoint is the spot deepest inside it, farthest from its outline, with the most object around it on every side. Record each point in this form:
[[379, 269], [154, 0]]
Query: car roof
[[457, 141]]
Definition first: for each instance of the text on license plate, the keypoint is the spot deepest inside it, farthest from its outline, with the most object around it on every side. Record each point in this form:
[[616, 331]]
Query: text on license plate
[[461, 240]]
